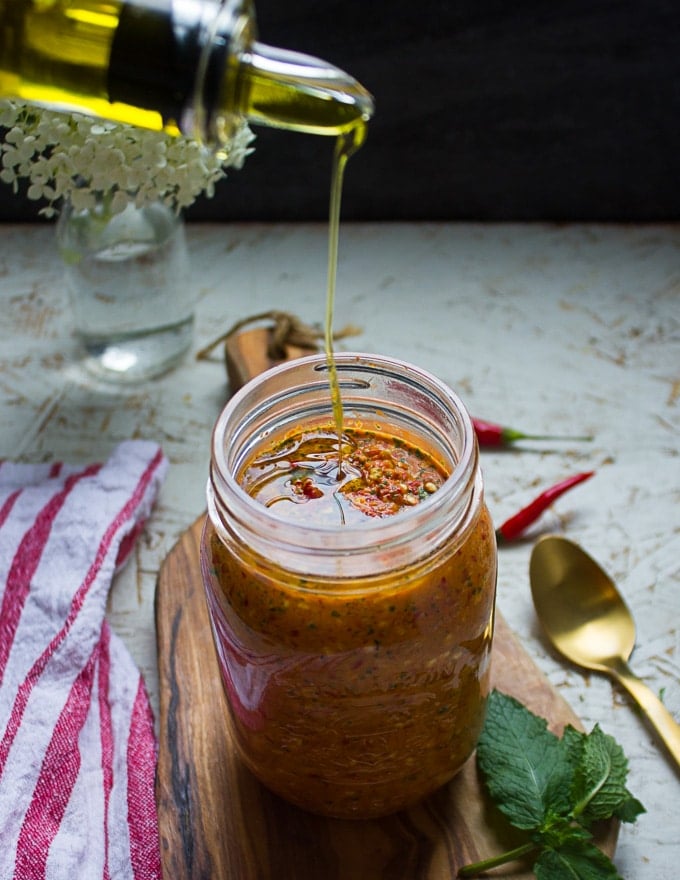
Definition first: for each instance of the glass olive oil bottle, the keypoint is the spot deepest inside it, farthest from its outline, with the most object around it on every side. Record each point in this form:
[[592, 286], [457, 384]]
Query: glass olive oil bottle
[[190, 66], [193, 66]]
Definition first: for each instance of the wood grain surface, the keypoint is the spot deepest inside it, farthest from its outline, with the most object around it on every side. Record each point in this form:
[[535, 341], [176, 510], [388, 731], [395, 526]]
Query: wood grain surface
[[217, 822]]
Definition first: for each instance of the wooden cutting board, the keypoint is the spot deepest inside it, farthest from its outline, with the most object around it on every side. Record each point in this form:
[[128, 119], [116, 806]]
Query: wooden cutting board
[[218, 823]]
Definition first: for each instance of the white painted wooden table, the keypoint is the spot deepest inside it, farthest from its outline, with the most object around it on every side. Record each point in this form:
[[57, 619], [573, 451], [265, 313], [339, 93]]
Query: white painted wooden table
[[545, 328]]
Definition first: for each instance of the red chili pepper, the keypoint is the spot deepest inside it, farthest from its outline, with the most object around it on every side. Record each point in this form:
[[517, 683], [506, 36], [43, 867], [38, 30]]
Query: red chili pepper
[[514, 526], [491, 434]]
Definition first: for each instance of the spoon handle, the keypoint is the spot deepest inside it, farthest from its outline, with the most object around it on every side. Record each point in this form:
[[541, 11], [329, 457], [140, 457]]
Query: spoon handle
[[662, 720]]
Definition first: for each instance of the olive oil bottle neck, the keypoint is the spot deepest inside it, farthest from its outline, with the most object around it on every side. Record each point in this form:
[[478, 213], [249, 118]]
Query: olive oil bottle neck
[[283, 89]]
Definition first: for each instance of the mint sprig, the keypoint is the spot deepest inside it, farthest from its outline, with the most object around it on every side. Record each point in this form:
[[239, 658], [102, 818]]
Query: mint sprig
[[554, 789]]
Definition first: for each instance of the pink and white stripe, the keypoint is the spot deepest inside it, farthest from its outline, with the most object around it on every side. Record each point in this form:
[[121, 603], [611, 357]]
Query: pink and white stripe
[[77, 747]]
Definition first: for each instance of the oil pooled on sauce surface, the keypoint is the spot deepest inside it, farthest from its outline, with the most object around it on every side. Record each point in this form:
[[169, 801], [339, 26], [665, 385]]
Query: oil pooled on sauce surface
[[302, 480]]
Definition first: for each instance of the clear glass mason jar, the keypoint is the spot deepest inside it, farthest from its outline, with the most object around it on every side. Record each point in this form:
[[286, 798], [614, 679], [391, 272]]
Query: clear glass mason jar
[[355, 659]]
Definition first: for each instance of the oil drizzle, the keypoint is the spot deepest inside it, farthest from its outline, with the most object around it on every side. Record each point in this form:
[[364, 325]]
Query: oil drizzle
[[346, 145]]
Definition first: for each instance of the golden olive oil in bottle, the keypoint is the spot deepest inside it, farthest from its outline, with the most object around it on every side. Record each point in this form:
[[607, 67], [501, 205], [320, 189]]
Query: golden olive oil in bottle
[[193, 66]]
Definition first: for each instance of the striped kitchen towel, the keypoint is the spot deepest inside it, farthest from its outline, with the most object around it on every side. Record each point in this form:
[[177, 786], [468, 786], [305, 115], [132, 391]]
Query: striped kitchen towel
[[77, 745]]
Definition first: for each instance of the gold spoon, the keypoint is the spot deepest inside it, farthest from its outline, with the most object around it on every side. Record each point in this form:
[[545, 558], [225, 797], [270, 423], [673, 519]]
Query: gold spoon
[[588, 622]]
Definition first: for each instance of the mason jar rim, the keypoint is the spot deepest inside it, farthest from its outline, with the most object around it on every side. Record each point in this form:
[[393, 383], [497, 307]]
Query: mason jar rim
[[231, 508]]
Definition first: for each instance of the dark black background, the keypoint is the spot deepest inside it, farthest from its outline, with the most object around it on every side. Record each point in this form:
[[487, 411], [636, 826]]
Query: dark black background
[[487, 110]]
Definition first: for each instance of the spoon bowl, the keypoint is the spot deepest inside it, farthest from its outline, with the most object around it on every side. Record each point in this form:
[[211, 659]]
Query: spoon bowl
[[587, 621]]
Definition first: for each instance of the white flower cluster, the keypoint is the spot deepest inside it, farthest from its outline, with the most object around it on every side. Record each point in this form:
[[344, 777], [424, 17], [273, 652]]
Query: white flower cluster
[[81, 158]]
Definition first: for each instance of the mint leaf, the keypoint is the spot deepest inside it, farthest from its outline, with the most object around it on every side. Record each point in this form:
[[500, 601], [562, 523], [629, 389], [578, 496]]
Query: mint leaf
[[553, 789], [576, 860], [630, 809], [573, 741], [599, 789], [528, 770]]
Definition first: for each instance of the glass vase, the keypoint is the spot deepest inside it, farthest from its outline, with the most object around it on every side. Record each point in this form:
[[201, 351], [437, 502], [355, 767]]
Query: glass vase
[[129, 285]]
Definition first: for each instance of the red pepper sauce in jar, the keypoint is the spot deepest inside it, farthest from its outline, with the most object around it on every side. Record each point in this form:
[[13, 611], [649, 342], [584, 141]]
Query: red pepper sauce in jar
[[353, 696]]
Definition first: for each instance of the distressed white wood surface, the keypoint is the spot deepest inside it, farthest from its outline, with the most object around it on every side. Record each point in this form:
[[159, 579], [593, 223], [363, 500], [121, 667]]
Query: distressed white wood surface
[[548, 329]]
